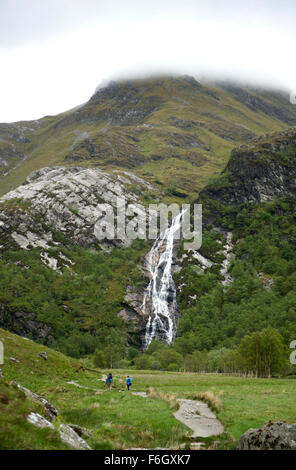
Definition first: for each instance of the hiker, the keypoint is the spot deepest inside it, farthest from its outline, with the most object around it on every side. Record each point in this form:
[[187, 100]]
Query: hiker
[[109, 381], [128, 382]]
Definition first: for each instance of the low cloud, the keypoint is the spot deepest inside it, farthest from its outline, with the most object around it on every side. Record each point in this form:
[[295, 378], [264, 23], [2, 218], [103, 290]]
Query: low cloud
[[52, 58]]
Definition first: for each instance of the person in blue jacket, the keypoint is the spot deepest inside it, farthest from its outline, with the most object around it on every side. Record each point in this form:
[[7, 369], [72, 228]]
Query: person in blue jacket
[[109, 381], [128, 382]]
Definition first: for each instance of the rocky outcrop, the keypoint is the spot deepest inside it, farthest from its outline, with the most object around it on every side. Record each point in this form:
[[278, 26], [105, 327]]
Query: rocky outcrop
[[23, 323], [66, 200], [71, 435], [258, 172], [49, 410], [275, 435], [257, 103], [127, 102], [79, 430], [131, 313], [68, 435], [43, 355], [39, 421]]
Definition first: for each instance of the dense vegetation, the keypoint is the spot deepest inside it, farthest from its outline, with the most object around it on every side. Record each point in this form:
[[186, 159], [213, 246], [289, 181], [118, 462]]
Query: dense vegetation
[[260, 354], [264, 237], [80, 306]]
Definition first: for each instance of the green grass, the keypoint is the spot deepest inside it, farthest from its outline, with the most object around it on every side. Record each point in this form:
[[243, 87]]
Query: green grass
[[120, 420], [15, 431]]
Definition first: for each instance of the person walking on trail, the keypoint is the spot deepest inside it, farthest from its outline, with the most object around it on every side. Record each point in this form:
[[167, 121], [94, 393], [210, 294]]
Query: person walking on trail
[[109, 381], [128, 382]]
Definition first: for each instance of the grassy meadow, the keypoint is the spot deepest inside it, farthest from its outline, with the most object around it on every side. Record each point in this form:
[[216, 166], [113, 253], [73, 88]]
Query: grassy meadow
[[117, 419]]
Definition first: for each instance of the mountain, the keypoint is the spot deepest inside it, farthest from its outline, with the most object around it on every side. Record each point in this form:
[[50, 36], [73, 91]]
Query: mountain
[[172, 131], [168, 139]]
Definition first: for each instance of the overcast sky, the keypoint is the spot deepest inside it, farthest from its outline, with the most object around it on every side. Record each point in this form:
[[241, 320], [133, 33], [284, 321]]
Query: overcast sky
[[54, 53]]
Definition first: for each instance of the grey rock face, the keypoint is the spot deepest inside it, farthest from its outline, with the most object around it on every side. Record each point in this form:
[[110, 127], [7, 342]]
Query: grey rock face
[[127, 104], [275, 435], [70, 200], [133, 315], [23, 323], [260, 171], [67, 199]]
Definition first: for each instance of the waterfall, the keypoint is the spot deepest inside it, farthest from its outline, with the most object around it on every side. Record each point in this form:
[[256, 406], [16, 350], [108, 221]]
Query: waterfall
[[227, 252], [160, 295]]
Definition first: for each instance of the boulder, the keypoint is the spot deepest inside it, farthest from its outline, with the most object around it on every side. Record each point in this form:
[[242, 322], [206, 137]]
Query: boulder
[[43, 355], [15, 361], [79, 430], [70, 437], [275, 435], [39, 421]]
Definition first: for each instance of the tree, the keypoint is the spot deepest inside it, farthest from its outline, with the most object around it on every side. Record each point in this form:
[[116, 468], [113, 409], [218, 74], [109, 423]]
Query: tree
[[216, 359], [197, 362], [170, 356], [143, 361], [263, 353], [108, 356], [132, 353], [99, 359]]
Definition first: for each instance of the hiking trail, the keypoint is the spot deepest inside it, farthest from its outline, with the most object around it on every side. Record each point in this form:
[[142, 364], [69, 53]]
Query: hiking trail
[[196, 415]]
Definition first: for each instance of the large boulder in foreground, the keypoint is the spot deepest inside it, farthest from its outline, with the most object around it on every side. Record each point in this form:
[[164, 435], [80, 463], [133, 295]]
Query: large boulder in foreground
[[275, 435]]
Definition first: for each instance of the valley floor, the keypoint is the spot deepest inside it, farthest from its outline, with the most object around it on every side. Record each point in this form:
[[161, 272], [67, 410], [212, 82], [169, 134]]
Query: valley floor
[[117, 419]]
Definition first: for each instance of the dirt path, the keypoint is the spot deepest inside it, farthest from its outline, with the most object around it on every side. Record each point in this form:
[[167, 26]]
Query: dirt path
[[73, 382], [140, 394], [197, 416]]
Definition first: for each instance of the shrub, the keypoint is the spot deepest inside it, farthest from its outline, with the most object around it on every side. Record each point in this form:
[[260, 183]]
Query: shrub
[[213, 401]]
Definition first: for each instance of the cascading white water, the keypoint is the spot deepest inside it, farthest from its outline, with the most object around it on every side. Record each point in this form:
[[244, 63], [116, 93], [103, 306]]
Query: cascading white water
[[160, 295]]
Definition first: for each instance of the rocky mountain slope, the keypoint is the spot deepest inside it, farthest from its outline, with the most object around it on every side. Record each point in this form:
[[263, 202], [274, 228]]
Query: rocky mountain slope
[[173, 131]]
